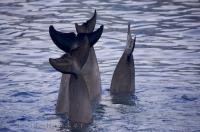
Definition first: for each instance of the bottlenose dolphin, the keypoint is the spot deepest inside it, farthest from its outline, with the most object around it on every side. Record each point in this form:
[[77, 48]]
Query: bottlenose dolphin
[[123, 80], [67, 42], [91, 69], [79, 102], [76, 103]]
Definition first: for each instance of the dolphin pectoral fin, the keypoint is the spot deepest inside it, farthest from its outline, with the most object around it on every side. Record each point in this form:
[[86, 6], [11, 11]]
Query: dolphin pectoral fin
[[130, 43], [88, 26], [95, 36], [64, 41], [65, 66]]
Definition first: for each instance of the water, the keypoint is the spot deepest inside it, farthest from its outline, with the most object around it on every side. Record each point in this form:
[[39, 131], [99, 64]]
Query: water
[[167, 61]]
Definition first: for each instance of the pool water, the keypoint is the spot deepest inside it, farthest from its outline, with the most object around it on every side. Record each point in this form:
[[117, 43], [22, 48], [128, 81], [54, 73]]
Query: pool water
[[167, 62]]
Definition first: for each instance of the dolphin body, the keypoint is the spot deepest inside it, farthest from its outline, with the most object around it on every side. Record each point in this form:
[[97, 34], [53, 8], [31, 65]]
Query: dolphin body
[[90, 71], [123, 80], [77, 102]]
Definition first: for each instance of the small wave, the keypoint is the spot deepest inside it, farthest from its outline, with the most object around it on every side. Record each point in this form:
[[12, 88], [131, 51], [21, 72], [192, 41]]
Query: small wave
[[6, 130], [189, 98], [25, 94]]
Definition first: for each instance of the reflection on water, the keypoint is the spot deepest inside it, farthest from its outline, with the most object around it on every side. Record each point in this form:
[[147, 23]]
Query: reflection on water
[[166, 60], [124, 99]]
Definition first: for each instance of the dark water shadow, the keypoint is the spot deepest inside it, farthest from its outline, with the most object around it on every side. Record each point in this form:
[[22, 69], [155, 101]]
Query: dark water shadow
[[66, 125], [80, 128], [123, 98]]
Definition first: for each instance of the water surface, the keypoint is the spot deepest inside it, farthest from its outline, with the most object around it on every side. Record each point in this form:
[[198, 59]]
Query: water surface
[[167, 62]]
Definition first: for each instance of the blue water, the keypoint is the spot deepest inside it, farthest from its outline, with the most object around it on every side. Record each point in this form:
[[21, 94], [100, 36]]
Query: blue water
[[167, 62]]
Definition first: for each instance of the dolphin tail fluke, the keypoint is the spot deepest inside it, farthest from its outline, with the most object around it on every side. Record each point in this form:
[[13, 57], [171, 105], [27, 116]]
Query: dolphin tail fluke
[[64, 41], [88, 26], [92, 22], [81, 53], [95, 36], [71, 63], [64, 65], [130, 43]]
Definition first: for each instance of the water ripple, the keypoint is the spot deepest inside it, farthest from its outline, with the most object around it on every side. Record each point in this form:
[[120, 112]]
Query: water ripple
[[166, 59]]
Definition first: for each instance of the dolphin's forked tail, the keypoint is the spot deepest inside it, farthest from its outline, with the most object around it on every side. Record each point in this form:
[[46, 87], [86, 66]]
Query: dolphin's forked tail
[[88, 26], [130, 43], [65, 65], [70, 41]]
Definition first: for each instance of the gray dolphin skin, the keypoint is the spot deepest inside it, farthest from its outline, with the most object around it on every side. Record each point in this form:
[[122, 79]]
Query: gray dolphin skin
[[90, 72], [91, 69], [123, 80], [88, 26], [73, 98], [69, 41], [62, 102], [79, 105], [64, 41]]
